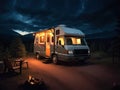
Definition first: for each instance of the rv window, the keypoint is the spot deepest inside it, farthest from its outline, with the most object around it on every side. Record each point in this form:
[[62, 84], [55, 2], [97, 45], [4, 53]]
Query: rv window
[[48, 38], [57, 32], [61, 41], [41, 39], [74, 40], [69, 41]]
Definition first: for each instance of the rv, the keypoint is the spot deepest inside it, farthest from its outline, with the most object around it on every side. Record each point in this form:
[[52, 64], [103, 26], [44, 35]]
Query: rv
[[61, 43]]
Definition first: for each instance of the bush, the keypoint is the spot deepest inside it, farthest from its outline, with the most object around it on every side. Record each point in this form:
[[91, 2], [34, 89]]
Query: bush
[[98, 55]]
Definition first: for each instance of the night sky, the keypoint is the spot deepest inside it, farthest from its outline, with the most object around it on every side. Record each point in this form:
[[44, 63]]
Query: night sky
[[90, 16]]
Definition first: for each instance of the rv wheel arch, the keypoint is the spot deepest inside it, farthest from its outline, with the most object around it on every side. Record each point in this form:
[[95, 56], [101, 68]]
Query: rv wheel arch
[[55, 59]]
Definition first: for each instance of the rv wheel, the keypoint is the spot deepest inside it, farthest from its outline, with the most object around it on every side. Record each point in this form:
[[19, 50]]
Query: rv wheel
[[37, 56], [55, 59]]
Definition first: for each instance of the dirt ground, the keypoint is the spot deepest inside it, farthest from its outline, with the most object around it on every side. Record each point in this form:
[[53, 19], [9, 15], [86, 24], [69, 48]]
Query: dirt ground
[[64, 76]]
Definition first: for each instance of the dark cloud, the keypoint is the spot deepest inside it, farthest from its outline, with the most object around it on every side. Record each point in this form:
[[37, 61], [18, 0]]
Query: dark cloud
[[7, 5], [87, 15]]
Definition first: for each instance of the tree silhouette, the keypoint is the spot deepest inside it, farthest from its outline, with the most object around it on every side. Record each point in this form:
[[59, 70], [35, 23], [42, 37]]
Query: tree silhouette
[[1, 51], [17, 48], [116, 43]]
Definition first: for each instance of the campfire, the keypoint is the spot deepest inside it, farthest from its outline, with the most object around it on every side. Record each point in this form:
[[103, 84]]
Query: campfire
[[34, 83]]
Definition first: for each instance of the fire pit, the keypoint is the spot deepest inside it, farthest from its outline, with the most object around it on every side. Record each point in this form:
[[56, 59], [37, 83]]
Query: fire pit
[[34, 84]]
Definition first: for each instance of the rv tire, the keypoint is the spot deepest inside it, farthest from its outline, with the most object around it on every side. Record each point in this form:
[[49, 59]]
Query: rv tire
[[37, 56], [55, 59]]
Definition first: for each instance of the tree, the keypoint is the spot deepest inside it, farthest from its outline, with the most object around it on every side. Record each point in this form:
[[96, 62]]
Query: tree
[[17, 48], [1, 51]]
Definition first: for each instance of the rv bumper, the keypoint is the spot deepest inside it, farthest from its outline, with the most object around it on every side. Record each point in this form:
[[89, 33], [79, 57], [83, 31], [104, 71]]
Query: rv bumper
[[69, 58]]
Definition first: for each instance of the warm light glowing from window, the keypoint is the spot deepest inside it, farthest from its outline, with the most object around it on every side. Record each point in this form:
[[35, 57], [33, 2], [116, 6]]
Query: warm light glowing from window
[[37, 35], [76, 40], [51, 34], [61, 39], [42, 34], [41, 39]]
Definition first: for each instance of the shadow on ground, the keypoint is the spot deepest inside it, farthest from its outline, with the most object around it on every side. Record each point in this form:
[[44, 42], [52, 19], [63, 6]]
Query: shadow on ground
[[79, 63], [8, 75]]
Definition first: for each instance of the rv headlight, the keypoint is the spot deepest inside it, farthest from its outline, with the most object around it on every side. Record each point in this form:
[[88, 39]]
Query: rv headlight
[[70, 52], [89, 51]]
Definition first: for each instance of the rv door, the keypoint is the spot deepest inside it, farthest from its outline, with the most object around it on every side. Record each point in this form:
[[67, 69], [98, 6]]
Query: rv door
[[47, 45]]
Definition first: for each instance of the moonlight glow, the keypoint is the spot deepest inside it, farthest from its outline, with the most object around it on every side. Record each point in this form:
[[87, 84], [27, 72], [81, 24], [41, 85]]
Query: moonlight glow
[[22, 32]]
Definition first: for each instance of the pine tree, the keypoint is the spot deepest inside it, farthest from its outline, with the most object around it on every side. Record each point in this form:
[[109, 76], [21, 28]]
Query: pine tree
[[17, 48]]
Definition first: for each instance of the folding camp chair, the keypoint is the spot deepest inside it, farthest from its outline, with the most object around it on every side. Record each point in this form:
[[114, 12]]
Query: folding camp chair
[[10, 68]]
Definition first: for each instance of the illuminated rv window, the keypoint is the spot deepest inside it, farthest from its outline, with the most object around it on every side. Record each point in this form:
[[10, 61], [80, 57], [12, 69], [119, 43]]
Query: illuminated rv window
[[60, 41], [41, 39], [74, 40]]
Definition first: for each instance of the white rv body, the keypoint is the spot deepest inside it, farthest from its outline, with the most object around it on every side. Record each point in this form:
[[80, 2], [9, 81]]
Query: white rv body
[[61, 44]]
